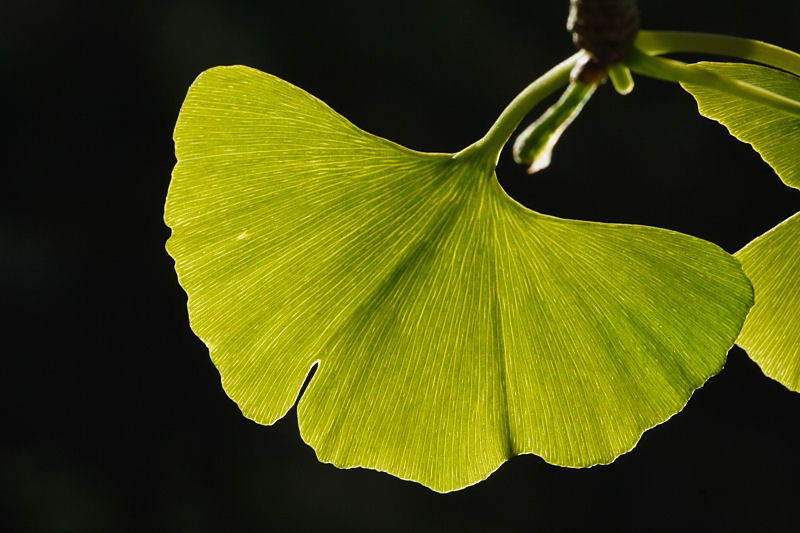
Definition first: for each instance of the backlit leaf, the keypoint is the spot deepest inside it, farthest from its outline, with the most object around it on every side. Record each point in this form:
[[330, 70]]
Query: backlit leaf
[[452, 327], [771, 334], [773, 133]]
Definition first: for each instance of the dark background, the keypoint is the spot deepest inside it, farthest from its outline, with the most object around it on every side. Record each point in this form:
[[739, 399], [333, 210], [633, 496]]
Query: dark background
[[114, 416]]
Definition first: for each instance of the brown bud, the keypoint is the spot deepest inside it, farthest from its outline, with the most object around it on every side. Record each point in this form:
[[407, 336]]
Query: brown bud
[[604, 28]]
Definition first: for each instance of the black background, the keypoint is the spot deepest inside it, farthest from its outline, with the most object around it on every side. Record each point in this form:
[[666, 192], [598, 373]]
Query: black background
[[114, 416]]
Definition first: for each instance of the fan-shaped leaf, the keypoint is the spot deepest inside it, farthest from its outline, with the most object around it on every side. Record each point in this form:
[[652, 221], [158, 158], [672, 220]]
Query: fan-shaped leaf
[[773, 133], [771, 334], [453, 327]]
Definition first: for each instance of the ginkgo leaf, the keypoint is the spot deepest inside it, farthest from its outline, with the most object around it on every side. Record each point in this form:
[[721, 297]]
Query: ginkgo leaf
[[773, 133], [452, 327], [771, 335]]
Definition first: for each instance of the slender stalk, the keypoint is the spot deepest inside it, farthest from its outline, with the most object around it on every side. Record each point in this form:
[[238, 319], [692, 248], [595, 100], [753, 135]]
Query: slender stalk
[[671, 70], [621, 78], [667, 42], [534, 146], [492, 143]]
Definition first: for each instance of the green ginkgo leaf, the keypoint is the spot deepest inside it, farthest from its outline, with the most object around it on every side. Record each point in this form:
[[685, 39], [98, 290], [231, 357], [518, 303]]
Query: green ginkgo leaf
[[452, 327], [773, 133], [771, 334]]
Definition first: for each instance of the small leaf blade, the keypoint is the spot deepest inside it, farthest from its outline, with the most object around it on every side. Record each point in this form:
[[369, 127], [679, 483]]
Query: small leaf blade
[[774, 134], [771, 334]]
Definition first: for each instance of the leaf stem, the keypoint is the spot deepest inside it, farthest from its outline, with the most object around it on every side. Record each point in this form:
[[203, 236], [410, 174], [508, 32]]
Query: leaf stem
[[621, 78], [534, 146], [667, 42], [492, 143], [671, 70]]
